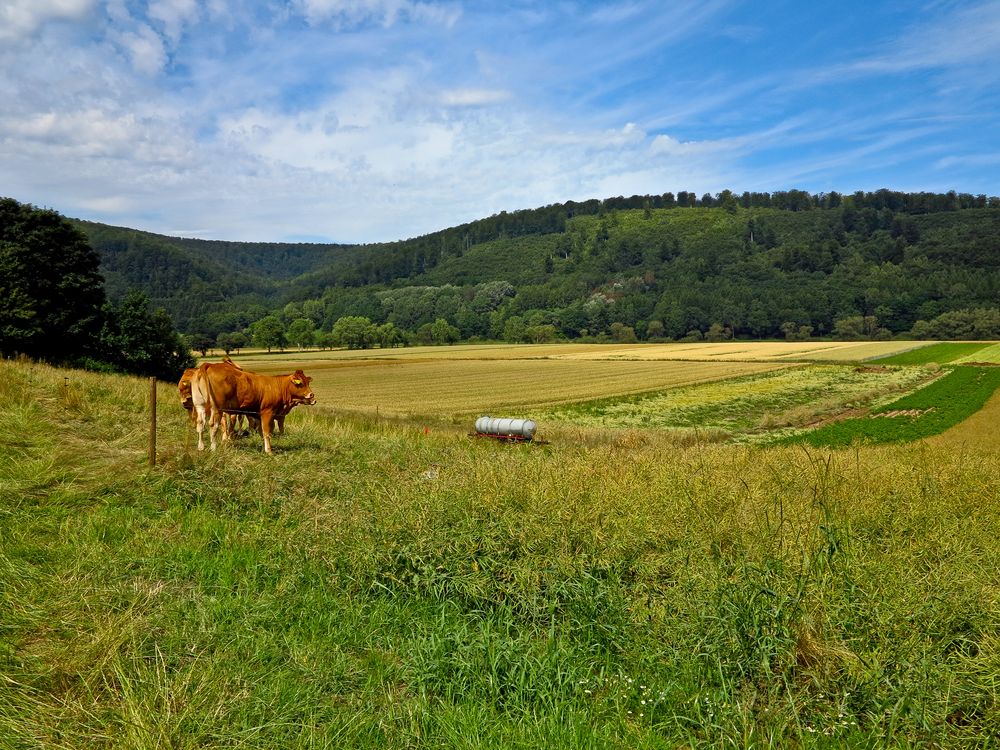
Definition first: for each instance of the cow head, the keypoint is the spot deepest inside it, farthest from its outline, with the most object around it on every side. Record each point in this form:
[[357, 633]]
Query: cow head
[[299, 388], [184, 389]]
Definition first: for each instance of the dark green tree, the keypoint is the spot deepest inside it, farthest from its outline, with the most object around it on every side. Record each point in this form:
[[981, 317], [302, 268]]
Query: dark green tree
[[51, 293], [269, 333], [302, 333], [201, 343], [142, 342], [354, 332], [231, 341]]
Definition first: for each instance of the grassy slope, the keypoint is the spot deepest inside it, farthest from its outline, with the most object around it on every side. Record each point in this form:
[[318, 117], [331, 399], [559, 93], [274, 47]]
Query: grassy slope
[[375, 586]]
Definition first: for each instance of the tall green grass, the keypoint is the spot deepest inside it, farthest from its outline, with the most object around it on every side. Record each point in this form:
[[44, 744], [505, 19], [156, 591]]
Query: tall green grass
[[623, 593]]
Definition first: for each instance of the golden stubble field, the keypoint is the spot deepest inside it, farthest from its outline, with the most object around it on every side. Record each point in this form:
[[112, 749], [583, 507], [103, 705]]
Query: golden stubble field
[[446, 388], [731, 351]]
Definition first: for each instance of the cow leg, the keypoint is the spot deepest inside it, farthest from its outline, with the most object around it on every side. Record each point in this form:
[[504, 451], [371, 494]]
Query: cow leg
[[198, 415], [214, 423], [266, 418], [280, 420]]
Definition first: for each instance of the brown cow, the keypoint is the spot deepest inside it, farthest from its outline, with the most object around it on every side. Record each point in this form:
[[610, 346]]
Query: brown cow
[[232, 391], [195, 399]]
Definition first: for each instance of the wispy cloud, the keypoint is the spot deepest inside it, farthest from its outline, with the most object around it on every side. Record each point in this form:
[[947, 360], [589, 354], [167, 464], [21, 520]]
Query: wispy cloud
[[341, 13]]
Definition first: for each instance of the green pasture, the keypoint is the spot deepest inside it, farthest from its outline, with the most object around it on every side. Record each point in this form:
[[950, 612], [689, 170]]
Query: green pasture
[[959, 393], [376, 585], [941, 353]]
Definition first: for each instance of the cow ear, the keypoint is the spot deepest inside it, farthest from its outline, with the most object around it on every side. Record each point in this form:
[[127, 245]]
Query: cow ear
[[296, 381]]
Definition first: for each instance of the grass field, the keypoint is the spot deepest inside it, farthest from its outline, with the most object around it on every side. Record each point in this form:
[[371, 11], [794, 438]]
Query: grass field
[[946, 402], [748, 404], [374, 586], [941, 353], [990, 354]]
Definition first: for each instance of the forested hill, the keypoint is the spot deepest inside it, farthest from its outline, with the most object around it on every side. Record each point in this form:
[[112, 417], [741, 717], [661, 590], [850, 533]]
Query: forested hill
[[756, 265]]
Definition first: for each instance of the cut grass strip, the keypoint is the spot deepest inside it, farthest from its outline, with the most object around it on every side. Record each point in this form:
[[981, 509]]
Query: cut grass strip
[[941, 353], [938, 406], [990, 354]]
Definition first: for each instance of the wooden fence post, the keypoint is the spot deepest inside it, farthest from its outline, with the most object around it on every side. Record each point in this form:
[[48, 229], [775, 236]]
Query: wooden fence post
[[152, 421]]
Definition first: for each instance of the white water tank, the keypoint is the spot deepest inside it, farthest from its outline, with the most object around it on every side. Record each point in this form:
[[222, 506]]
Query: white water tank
[[515, 428]]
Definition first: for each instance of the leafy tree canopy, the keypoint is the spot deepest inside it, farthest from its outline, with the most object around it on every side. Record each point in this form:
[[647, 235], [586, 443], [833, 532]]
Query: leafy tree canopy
[[136, 340], [51, 293]]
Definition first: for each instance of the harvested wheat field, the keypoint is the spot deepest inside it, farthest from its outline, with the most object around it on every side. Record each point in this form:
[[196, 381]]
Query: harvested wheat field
[[747, 351], [443, 388]]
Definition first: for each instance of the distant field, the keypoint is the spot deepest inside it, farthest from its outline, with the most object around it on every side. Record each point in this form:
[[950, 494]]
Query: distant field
[[762, 401], [743, 390], [732, 351], [458, 351], [931, 410], [443, 388], [745, 351], [979, 429], [942, 353]]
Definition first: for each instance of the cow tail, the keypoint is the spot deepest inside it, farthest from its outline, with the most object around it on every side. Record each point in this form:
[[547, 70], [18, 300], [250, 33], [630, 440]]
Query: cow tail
[[208, 390]]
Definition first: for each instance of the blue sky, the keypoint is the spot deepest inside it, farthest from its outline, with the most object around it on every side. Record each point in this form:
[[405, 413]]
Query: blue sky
[[372, 120]]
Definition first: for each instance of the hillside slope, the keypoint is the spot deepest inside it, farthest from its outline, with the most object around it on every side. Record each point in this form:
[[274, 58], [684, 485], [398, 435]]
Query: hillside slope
[[752, 271]]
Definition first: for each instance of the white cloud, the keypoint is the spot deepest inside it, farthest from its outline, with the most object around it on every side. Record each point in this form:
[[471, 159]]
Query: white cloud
[[665, 145], [88, 134], [24, 17], [174, 15], [145, 47], [473, 97]]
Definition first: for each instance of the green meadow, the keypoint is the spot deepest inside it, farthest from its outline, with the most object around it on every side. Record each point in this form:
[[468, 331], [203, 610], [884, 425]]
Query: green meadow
[[941, 353], [947, 401], [375, 584]]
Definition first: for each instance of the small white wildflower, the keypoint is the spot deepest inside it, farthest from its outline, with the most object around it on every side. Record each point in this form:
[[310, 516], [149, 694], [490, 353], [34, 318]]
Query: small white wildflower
[[587, 692]]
